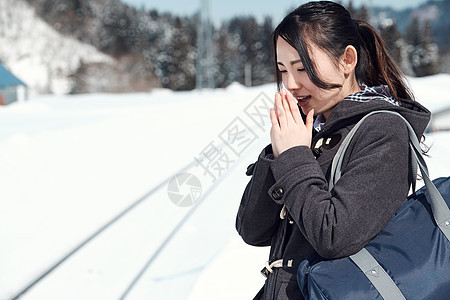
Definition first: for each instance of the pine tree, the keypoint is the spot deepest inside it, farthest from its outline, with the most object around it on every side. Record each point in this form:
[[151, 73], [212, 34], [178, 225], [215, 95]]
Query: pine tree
[[351, 9], [425, 57], [249, 47], [231, 60], [412, 32], [391, 36], [181, 65], [264, 69], [362, 14], [223, 56], [396, 45]]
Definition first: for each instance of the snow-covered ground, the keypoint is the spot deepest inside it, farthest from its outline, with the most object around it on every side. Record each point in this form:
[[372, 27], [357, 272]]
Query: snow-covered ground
[[70, 164]]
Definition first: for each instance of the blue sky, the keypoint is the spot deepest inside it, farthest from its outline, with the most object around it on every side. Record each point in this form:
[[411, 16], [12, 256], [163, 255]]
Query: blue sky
[[221, 10]]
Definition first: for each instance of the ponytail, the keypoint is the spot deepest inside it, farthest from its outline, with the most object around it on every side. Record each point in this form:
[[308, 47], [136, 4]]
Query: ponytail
[[376, 66]]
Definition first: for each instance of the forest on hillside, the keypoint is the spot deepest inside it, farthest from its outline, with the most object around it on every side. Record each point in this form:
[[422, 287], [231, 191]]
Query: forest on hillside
[[162, 49]]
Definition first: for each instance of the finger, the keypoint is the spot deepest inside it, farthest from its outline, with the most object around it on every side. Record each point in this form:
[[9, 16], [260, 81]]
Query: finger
[[294, 108], [310, 120], [281, 114], [273, 118], [287, 109]]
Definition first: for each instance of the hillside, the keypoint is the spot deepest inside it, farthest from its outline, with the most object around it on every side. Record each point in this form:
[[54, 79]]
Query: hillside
[[53, 62], [38, 54]]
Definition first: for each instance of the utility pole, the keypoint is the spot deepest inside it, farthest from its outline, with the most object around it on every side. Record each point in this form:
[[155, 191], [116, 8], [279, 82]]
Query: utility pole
[[204, 64], [248, 74]]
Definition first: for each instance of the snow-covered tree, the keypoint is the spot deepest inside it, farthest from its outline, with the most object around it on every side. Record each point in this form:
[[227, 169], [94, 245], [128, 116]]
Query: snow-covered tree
[[396, 44], [423, 52]]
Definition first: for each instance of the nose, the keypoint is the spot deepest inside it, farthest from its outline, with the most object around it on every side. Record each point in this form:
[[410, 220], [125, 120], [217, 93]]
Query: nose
[[290, 82]]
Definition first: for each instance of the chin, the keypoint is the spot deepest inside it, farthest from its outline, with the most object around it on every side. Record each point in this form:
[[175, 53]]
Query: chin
[[306, 110]]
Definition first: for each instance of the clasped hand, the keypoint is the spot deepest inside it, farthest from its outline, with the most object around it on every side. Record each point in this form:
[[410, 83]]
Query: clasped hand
[[288, 129]]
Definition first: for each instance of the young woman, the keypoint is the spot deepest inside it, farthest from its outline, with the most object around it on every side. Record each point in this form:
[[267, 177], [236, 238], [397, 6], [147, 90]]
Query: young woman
[[331, 71]]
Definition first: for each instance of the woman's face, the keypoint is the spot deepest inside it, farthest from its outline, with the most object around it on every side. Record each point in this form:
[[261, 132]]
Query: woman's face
[[295, 79]]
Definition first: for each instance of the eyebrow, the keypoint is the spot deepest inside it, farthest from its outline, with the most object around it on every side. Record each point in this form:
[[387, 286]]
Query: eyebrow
[[292, 62]]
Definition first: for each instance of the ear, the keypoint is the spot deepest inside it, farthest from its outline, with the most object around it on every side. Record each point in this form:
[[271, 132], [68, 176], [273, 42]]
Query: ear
[[349, 59]]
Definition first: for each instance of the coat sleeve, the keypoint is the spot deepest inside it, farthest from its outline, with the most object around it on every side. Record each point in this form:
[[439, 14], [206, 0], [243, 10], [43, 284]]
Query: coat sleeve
[[373, 184], [258, 216]]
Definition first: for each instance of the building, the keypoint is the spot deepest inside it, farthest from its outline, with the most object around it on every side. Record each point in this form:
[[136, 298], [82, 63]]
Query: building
[[12, 89]]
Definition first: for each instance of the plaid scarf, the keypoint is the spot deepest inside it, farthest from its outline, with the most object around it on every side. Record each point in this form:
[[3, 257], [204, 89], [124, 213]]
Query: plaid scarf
[[380, 92]]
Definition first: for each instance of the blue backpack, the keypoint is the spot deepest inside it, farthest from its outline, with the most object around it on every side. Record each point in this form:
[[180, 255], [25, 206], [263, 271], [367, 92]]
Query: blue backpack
[[408, 259]]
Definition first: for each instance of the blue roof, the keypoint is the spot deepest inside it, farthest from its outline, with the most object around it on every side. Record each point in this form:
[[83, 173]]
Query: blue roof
[[8, 79]]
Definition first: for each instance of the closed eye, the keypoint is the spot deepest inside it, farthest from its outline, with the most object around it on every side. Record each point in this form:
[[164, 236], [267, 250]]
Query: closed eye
[[301, 70]]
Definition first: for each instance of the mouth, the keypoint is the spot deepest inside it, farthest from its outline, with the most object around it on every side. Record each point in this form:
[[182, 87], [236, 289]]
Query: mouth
[[302, 100]]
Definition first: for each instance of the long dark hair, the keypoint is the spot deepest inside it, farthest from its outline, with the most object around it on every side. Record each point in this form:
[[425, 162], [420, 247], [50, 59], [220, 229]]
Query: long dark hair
[[330, 26]]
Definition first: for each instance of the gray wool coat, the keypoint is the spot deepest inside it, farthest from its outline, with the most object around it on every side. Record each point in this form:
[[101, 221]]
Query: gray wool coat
[[374, 182]]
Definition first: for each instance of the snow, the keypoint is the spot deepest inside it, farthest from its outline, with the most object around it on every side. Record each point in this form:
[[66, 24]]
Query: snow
[[70, 164], [42, 57], [431, 91]]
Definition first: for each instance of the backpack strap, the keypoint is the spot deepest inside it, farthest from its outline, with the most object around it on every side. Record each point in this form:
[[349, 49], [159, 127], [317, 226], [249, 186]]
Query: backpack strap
[[440, 210], [377, 275]]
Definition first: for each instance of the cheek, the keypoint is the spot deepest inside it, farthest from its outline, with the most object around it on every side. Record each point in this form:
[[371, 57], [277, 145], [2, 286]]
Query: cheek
[[283, 78], [332, 74], [303, 80], [309, 86], [329, 97]]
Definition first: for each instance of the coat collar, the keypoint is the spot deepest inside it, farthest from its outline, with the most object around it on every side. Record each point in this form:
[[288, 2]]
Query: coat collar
[[349, 111]]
